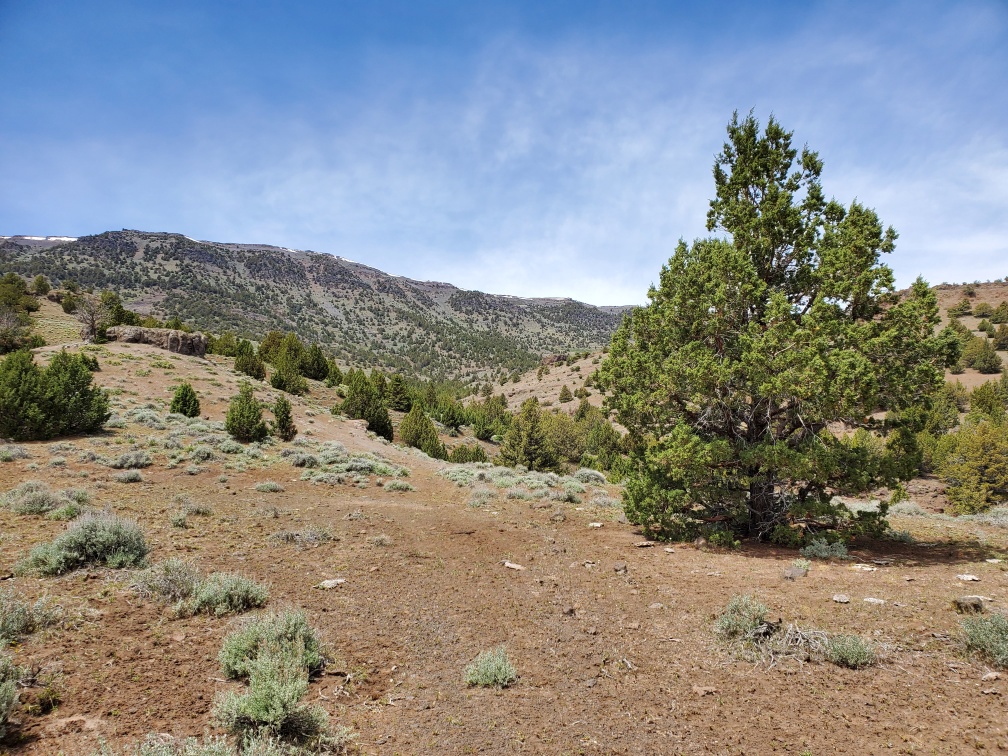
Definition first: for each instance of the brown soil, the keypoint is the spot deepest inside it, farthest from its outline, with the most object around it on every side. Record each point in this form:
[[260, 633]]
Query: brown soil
[[610, 661]]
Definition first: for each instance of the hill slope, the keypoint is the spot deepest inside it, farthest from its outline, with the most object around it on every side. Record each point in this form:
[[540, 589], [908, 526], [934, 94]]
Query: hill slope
[[361, 314]]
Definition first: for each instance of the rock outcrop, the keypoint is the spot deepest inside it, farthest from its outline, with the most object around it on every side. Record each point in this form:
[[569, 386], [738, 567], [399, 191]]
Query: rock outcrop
[[179, 342]]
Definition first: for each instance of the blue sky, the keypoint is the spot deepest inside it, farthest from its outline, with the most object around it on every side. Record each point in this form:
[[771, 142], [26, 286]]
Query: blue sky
[[540, 148]]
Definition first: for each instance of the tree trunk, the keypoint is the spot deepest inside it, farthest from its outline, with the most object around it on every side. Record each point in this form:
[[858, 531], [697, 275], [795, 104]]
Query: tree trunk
[[761, 499]]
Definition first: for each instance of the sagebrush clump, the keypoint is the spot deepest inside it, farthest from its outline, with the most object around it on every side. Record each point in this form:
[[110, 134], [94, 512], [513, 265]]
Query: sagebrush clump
[[491, 668], [93, 538]]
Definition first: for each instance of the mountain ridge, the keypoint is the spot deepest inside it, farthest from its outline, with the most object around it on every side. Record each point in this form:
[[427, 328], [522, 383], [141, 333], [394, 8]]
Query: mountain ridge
[[360, 313]]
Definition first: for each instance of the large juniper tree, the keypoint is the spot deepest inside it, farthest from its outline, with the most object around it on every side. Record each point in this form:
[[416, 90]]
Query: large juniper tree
[[758, 345]]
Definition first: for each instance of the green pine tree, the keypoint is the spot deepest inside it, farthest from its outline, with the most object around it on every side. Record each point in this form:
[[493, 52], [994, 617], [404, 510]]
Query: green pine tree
[[417, 430], [283, 420], [184, 401], [525, 442], [244, 416], [565, 395], [756, 341], [398, 397], [363, 403]]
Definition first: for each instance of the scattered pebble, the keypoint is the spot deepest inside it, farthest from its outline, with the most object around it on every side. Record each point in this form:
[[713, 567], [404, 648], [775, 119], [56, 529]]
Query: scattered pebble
[[701, 691], [656, 605], [870, 600], [644, 544], [841, 598], [993, 561], [793, 573], [620, 568], [864, 567], [632, 625], [669, 550], [969, 604], [968, 578], [326, 585], [513, 566], [594, 524], [991, 676]]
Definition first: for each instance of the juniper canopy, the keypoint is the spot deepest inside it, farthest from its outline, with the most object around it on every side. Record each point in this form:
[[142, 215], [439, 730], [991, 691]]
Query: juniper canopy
[[755, 342]]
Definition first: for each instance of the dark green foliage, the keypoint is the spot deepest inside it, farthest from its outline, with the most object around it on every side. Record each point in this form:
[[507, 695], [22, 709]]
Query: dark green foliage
[[965, 307], [363, 403], [248, 362], [269, 347], [283, 420], [1000, 314], [398, 397], [973, 461], [41, 285], [525, 442], [334, 376], [225, 345], [244, 416], [288, 360], [1000, 337], [184, 401], [987, 360], [315, 365], [489, 417], [417, 430], [565, 395], [983, 310], [58, 400], [755, 342], [15, 321], [989, 400], [464, 453]]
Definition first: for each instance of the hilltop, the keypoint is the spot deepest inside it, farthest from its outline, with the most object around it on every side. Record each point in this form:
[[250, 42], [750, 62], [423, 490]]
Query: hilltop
[[360, 314]]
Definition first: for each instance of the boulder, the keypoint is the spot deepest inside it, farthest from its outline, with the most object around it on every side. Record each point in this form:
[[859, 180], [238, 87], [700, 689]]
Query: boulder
[[179, 342]]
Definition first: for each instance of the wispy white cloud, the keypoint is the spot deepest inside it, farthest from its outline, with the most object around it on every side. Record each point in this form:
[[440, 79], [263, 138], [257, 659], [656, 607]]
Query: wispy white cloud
[[567, 167]]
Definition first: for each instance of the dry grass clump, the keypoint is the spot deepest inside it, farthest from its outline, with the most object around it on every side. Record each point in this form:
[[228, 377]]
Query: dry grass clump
[[19, 617]]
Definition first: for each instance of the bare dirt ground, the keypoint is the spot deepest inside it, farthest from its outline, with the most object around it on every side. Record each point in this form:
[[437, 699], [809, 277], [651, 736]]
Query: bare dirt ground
[[613, 642]]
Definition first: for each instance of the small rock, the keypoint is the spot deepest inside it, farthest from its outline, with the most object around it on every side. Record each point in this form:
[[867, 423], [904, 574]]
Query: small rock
[[991, 692], [669, 550], [882, 561], [909, 579], [870, 600], [991, 676], [656, 605], [592, 630], [644, 544], [632, 625], [326, 585], [513, 566], [968, 578], [701, 691], [590, 682], [569, 611], [993, 561], [841, 598], [793, 573], [594, 524], [864, 567], [621, 518], [968, 605], [620, 568]]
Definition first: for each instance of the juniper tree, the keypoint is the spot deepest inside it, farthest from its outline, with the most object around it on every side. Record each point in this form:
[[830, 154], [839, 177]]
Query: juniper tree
[[283, 420], [526, 443], [417, 430], [755, 342], [184, 401]]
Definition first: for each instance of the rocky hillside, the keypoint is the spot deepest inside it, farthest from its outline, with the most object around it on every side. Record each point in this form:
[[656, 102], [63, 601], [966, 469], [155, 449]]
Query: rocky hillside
[[360, 314]]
